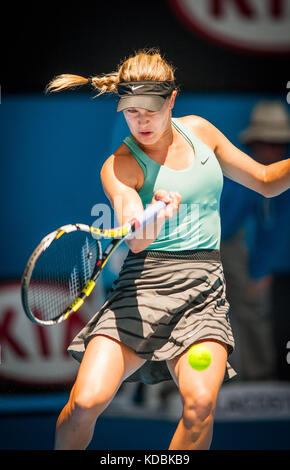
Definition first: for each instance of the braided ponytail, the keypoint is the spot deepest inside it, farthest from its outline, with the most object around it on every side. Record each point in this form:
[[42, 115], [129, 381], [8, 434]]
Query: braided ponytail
[[146, 64], [104, 83]]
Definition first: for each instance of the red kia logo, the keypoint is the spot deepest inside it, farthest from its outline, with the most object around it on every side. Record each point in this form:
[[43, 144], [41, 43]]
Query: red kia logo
[[35, 354], [252, 25]]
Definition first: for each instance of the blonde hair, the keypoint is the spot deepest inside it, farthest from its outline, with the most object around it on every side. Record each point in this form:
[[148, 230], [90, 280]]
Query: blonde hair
[[146, 64]]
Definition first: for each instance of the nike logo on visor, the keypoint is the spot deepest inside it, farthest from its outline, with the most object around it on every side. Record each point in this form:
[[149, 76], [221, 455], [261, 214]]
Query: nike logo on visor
[[135, 87]]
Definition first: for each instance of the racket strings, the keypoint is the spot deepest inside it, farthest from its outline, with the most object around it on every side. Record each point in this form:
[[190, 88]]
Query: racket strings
[[60, 274]]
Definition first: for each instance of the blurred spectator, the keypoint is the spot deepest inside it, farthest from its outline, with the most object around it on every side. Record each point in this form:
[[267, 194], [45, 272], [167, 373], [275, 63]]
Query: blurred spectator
[[256, 255]]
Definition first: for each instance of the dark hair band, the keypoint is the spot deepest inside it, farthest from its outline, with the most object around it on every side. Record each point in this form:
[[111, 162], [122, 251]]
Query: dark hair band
[[149, 94], [148, 87]]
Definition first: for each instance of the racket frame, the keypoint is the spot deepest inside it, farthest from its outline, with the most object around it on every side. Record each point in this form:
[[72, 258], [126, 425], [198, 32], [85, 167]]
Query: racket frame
[[118, 235], [101, 261]]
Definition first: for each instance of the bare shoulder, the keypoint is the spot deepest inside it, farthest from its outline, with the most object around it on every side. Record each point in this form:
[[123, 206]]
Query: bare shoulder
[[121, 167], [192, 120], [202, 128], [121, 155]]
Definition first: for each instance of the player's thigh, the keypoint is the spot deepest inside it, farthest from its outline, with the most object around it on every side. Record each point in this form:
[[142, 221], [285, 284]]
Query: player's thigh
[[208, 381], [106, 363]]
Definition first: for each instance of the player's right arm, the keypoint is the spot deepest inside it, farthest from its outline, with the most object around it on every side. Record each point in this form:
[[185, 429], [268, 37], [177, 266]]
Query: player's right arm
[[121, 178]]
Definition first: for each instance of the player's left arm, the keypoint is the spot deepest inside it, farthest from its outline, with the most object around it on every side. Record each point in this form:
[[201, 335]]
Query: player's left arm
[[268, 180]]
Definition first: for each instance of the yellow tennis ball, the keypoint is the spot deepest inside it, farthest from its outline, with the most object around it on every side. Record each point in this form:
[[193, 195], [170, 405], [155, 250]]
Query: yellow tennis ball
[[199, 357]]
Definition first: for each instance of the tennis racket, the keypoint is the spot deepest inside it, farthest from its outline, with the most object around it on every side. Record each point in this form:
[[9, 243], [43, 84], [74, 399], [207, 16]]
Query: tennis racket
[[63, 269]]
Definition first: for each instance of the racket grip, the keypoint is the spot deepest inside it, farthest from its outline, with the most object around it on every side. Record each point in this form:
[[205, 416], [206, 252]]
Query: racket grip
[[150, 213]]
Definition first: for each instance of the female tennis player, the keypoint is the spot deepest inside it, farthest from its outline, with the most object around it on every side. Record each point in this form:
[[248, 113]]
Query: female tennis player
[[170, 292]]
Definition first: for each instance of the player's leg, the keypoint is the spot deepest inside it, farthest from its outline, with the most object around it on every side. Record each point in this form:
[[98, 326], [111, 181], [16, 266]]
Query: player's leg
[[199, 392], [106, 363]]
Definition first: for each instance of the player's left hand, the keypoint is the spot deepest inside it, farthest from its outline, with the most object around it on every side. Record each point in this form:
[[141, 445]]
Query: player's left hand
[[172, 199]]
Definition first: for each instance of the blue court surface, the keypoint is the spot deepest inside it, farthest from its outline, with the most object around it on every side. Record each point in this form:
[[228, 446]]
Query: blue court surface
[[255, 417]]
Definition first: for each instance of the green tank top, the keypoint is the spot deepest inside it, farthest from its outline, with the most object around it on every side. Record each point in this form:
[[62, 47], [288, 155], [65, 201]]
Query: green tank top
[[197, 223]]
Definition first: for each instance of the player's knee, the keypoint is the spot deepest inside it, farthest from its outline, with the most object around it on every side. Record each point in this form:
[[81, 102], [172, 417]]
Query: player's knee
[[198, 408], [86, 406]]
